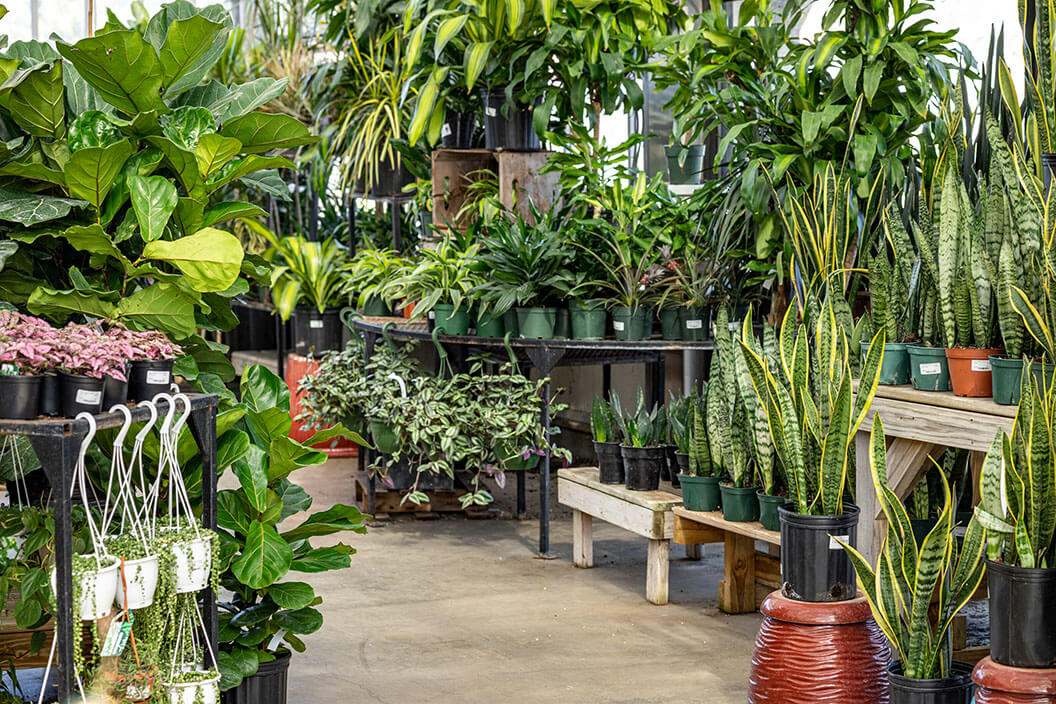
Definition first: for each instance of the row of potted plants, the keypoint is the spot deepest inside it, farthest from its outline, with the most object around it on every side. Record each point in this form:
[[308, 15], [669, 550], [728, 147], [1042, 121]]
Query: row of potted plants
[[78, 368]]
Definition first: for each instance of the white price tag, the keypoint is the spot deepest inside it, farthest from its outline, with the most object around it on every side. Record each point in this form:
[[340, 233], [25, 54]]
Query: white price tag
[[490, 111], [980, 365], [734, 327], [315, 324], [158, 377], [88, 398], [931, 369], [618, 325], [833, 545], [445, 131], [694, 324]]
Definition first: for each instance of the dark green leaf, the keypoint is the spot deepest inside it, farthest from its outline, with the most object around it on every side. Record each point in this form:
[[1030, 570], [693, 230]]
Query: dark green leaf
[[262, 132], [302, 621], [265, 558], [292, 595], [333, 520], [122, 68]]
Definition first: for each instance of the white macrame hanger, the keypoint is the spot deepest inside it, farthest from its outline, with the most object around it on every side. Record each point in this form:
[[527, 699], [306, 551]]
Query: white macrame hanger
[[80, 473], [118, 468], [135, 462]]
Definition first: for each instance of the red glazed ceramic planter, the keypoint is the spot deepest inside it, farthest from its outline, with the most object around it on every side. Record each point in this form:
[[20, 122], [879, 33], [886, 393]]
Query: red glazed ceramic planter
[[818, 653], [999, 684], [298, 367]]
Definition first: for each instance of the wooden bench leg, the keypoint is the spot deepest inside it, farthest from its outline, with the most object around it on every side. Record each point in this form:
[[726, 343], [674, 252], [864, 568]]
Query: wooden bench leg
[[693, 552], [656, 572], [582, 539], [737, 589]]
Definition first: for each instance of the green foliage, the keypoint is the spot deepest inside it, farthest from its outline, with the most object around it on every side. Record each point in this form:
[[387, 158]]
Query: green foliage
[[604, 424], [447, 274], [305, 272], [640, 426], [915, 592]]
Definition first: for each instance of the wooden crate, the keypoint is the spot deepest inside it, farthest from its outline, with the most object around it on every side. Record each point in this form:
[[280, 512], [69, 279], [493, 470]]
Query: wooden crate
[[387, 501]]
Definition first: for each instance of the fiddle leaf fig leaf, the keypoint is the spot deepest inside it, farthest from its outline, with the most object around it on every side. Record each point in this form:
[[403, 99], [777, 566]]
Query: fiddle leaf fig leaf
[[185, 126], [186, 42], [122, 67], [222, 212], [159, 33], [292, 595], [252, 474], [36, 103], [213, 151], [153, 198], [29, 209], [60, 305], [90, 172], [265, 557], [246, 98], [240, 168], [7, 249], [160, 306], [335, 519], [210, 259], [262, 132], [93, 128], [35, 171], [183, 163]]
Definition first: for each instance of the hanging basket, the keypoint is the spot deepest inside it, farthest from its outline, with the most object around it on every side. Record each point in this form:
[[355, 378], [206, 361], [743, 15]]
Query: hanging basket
[[192, 562], [202, 692], [97, 586], [141, 576]]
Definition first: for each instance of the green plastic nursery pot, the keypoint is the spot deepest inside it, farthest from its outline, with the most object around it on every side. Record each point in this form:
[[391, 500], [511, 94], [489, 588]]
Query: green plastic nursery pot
[[629, 323], [489, 325], [375, 307], [537, 323], [690, 170], [562, 324], [739, 503], [450, 321], [386, 441], [928, 368], [509, 323], [695, 323], [669, 324], [1005, 376], [512, 457], [700, 493], [587, 319], [894, 369], [768, 506]]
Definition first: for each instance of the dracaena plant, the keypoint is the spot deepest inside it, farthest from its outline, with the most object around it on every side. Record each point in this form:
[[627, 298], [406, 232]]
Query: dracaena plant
[[115, 150], [809, 406], [305, 272], [372, 270], [916, 591], [1018, 488], [443, 275]]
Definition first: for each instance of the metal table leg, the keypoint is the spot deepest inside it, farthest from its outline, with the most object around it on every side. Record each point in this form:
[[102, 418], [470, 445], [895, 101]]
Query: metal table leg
[[522, 494], [544, 480]]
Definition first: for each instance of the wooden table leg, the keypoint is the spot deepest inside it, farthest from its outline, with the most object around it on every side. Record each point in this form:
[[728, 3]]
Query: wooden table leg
[[694, 551], [737, 589], [656, 572], [582, 539]]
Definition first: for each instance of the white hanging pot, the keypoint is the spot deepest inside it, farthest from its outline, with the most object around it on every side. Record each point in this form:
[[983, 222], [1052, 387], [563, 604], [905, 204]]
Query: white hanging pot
[[97, 586], [193, 562], [142, 578], [204, 692]]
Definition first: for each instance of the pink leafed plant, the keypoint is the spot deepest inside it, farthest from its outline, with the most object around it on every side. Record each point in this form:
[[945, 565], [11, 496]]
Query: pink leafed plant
[[141, 346]]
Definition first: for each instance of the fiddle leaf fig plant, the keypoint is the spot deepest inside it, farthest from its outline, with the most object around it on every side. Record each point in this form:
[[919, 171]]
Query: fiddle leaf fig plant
[[113, 153]]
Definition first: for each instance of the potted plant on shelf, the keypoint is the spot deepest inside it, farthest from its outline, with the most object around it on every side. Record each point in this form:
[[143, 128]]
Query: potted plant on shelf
[[915, 604], [643, 455], [371, 271], [727, 428], [605, 431], [442, 284], [814, 457], [1016, 509], [150, 356], [698, 473]]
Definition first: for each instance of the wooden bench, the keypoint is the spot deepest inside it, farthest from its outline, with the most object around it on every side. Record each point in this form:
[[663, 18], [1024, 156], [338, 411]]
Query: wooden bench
[[646, 513], [748, 575]]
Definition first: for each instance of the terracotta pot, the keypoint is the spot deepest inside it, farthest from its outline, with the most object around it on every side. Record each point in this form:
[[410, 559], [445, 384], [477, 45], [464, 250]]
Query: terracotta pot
[[998, 684], [970, 373], [818, 653]]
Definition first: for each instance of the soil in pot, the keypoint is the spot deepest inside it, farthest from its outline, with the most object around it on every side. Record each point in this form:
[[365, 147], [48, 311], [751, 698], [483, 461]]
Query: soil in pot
[[692, 166], [536, 323], [629, 323], [768, 506], [450, 321], [315, 332], [267, 686], [80, 394], [695, 324], [149, 377], [489, 325], [955, 689], [669, 324], [970, 371], [587, 319], [700, 493], [739, 504], [457, 132], [511, 128], [813, 565], [1022, 615], [21, 395], [641, 466], [894, 369], [610, 462], [928, 368]]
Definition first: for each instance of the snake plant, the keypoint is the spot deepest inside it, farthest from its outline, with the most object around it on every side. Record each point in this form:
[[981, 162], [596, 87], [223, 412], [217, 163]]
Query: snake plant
[[604, 425], [909, 579], [1018, 484], [809, 407], [701, 462], [643, 426]]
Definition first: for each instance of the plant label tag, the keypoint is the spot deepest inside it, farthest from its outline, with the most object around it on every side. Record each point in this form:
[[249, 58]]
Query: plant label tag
[[445, 131], [734, 327], [432, 315], [980, 365], [491, 112], [117, 637], [618, 325], [694, 324], [315, 324], [833, 545], [88, 398], [158, 377], [276, 640], [931, 369]]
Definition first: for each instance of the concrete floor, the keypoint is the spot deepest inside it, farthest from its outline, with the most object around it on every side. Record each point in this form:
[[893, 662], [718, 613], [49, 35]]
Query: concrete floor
[[459, 610]]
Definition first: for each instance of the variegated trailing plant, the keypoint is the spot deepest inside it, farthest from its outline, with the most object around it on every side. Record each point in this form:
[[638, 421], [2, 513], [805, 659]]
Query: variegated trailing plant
[[810, 409], [908, 579]]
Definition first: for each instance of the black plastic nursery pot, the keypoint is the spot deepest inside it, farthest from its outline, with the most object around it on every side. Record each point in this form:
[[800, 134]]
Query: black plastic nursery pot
[[894, 369], [641, 466], [315, 332], [671, 466], [115, 391], [536, 323], [681, 463], [149, 377], [509, 129], [1022, 615], [629, 323], [255, 329], [814, 567], [50, 394], [955, 689], [21, 396], [402, 477], [700, 493], [587, 319], [610, 462], [692, 166], [768, 510], [457, 132], [267, 686], [1048, 167], [80, 394], [695, 323], [739, 504], [450, 321], [669, 324], [928, 368], [391, 181]]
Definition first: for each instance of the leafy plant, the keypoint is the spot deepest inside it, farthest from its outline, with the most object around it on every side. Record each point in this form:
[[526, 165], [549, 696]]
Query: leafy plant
[[305, 272], [641, 426], [915, 593], [680, 413], [372, 271], [446, 274], [604, 423]]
